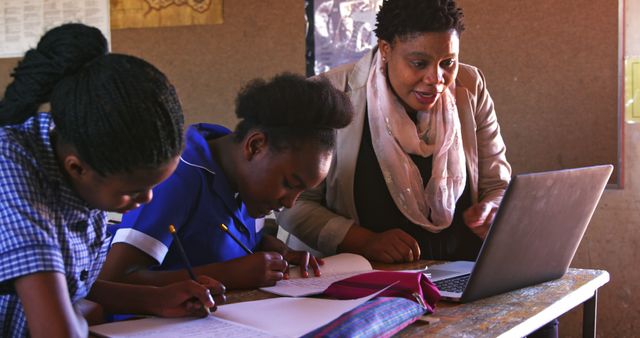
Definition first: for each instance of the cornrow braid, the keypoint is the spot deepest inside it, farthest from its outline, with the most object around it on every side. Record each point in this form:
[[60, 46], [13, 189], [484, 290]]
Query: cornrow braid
[[119, 112]]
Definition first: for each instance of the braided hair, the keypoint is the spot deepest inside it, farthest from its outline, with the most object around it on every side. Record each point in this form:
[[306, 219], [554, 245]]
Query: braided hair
[[292, 110], [119, 112], [56, 56], [404, 18]]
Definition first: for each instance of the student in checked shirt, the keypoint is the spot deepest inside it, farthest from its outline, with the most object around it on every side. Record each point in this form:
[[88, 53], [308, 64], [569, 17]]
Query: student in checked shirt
[[114, 131], [282, 146]]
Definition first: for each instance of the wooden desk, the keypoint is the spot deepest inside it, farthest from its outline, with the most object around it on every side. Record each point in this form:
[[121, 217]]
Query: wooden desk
[[512, 314], [520, 312]]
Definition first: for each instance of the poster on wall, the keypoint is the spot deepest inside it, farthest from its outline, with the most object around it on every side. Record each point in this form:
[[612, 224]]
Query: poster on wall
[[632, 89], [22, 22], [164, 13], [338, 32]]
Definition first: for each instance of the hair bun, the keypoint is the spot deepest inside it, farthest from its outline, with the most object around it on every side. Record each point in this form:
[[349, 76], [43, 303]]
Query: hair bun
[[62, 51], [72, 45]]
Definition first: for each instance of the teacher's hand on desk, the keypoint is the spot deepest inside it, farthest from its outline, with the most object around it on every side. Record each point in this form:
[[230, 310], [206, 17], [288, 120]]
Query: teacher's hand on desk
[[391, 246]]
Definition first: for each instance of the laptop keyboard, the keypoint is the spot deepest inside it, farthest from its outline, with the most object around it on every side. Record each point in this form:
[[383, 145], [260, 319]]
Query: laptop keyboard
[[455, 284]]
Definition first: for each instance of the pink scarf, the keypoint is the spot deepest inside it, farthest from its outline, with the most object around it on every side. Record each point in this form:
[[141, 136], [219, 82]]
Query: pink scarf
[[395, 136]]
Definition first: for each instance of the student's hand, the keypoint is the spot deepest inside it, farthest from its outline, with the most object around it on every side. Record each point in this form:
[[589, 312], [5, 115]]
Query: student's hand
[[391, 246], [256, 270], [304, 260], [479, 218], [189, 298]]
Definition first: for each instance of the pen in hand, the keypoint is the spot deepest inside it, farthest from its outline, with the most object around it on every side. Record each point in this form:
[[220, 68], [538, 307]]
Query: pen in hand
[[247, 250], [173, 232], [225, 229]]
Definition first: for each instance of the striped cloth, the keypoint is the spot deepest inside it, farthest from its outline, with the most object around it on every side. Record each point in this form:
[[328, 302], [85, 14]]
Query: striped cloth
[[379, 317], [414, 286]]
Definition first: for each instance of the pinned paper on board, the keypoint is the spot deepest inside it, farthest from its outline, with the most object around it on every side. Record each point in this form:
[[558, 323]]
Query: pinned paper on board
[[632, 90], [22, 23], [163, 13]]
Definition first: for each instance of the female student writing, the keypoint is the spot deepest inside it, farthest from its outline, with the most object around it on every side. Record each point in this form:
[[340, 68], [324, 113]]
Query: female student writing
[[282, 146], [114, 132], [422, 168]]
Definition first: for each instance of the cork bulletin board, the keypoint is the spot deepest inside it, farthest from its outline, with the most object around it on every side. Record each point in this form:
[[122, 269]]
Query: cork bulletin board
[[208, 64], [552, 68]]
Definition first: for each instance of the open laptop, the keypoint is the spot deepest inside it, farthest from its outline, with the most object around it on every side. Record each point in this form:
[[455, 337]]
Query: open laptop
[[534, 236]]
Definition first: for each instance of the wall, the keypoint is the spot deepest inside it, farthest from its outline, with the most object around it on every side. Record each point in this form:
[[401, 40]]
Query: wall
[[548, 73], [612, 241], [209, 64]]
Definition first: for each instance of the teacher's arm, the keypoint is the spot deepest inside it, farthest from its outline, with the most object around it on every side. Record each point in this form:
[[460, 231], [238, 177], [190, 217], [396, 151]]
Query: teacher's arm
[[494, 171], [330, 233]]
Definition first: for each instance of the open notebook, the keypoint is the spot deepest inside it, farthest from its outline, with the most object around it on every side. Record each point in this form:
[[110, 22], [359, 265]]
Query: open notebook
[[274, 317], [335, 268]]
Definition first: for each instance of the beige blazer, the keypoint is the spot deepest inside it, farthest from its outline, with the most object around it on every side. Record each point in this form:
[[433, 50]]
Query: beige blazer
[[322, 216]]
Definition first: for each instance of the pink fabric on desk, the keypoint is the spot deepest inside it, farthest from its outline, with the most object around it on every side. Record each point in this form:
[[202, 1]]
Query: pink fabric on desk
[[409, 285]]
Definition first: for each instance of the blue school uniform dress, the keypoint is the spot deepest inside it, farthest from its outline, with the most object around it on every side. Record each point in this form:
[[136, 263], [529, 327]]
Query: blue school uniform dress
[[196, 198], [44, 225]]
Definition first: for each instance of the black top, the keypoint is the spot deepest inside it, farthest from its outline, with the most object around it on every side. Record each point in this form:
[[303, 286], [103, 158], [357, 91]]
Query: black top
[[378, 212]]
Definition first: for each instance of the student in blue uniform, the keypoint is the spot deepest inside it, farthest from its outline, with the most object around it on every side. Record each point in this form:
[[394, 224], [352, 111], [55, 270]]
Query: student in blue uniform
[[114, 132], [282, 146]]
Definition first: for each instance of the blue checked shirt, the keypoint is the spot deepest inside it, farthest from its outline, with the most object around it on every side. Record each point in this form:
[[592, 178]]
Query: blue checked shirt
[[44, 225]]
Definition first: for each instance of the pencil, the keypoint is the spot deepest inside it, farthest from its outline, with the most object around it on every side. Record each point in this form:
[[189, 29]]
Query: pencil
[[173, 232], [225, 229]]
